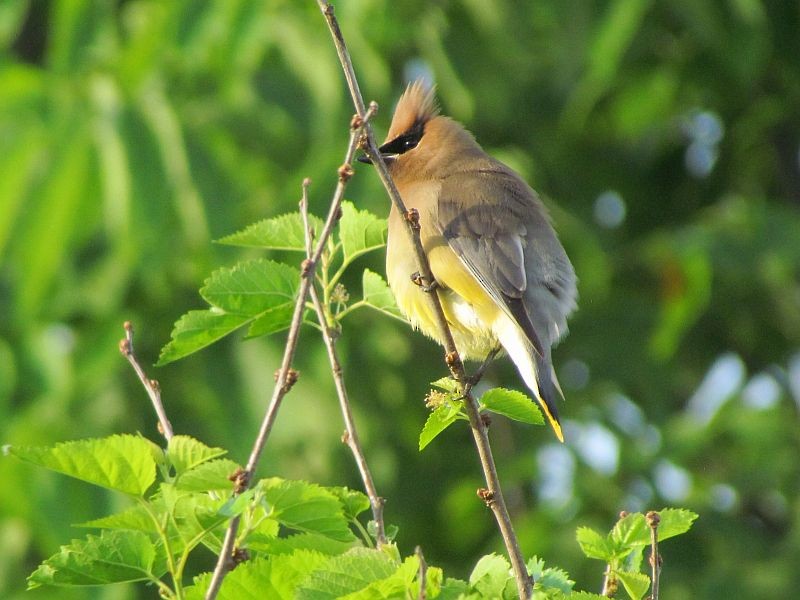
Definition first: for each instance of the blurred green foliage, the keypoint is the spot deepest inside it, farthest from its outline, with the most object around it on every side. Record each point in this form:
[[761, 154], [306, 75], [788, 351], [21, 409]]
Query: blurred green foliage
[[664, 136]]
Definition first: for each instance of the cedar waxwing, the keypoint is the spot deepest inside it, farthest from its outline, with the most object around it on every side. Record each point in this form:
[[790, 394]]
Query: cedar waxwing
[[503, 276]]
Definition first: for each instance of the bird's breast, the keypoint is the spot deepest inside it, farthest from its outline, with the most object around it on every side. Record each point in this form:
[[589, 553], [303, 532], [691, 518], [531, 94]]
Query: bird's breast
[[469, 310]]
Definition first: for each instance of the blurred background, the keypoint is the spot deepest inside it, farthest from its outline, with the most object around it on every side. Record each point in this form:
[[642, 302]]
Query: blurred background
[[664, 137]]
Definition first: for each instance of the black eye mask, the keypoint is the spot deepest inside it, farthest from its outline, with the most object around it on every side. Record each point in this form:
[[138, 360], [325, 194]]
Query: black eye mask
[[406, 141]]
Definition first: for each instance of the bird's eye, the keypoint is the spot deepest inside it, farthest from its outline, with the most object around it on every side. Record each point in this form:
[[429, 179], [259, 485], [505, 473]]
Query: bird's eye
[[405, 142]]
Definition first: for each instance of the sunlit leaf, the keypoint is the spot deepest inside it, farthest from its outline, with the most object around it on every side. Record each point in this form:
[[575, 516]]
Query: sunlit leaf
[[360, 231], [512, 404], [121, 462], [112, 557], [185, 453], [277, 233], [439, 420], [345, 574], [378, 295], [636, 584], [306, 507]]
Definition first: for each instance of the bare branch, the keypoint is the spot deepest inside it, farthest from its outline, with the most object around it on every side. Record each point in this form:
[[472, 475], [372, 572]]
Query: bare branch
[[286, 375], [454, 362], [150, 385], [653, 520], [422, 577], [351, 434]]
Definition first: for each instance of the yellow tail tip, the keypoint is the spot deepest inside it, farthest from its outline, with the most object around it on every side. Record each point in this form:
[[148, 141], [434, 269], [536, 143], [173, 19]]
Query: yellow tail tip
[[552, 420]]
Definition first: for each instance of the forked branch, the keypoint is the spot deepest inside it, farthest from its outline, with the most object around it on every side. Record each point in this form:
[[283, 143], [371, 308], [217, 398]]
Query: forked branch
[[493, 496]]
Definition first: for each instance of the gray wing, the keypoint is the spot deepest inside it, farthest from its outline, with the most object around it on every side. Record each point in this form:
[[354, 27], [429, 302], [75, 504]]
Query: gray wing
[[508, 244]]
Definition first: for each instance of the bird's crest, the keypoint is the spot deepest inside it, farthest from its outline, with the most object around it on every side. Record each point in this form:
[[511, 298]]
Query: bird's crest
[[416, 106]]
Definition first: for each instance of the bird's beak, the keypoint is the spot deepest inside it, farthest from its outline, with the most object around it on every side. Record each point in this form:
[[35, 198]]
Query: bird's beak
[[388, 157]]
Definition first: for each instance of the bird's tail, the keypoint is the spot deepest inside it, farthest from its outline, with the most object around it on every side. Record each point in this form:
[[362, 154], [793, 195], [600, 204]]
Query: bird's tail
[[536, 371]]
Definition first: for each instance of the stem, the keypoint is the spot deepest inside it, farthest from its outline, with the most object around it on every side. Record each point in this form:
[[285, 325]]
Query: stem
[[494, 495], [422, 577], [286, 375], [350, 436], [653, 520], [150, 385]]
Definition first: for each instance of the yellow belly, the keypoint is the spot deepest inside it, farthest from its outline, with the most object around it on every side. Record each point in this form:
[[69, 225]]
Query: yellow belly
[[469, 310]]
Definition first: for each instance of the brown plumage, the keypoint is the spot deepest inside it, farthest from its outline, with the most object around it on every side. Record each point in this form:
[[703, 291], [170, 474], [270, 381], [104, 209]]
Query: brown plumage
[[505, 278]]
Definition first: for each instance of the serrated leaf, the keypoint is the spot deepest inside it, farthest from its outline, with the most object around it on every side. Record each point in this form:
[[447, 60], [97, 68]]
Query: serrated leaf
[[378, 295], [448, 384], [554, 578], [135, 518], [273, 577], [306, 507], [490, 575], [185, 453], [636, 584], [270, 544], [111, 557], [252, 288], [399, 584], [631, 530], [595, 545], [121, 462], [353, 502], [209, 476], [284, 232], [360, 231], [439, 420], [261, 292], [345, 574], [197, 329], [674, 521], [512, 404]]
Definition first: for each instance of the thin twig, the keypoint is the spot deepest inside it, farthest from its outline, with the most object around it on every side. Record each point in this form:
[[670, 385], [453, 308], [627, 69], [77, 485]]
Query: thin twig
[[286, 376], [653, 520], [422, 576], [609, 583], [350, 436], [494, 495], [150, 385]]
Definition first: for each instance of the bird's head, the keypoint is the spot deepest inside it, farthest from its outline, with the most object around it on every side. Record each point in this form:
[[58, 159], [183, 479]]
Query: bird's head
[[419, 138]]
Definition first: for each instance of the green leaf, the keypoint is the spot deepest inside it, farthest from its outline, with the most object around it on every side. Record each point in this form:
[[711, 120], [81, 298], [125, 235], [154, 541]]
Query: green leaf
[[306, 507], [273, 577], [554, 578], [674, 521], [490, 575], [360, 232], [448, 384], [261, 291], [636, 584], [210, 476], [185, 453], [269, 544], [134, 518], [512, 404], [399, 584], [595, 545], [345, 574], [353, 501], [112, 557], [253, 287], [439, 420], [630, 530], [378, 295], [121, 462], [197, 329], [284, 232]]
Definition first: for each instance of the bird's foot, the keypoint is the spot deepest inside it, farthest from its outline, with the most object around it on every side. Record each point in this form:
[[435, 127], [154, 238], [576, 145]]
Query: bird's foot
[[419, 280]]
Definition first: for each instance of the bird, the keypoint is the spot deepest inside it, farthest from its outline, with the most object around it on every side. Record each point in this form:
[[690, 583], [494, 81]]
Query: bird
[[504, 280]]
